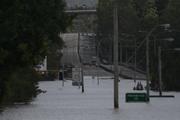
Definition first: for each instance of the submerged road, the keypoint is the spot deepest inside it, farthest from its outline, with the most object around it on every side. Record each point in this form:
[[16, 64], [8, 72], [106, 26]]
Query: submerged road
[[68, 103]]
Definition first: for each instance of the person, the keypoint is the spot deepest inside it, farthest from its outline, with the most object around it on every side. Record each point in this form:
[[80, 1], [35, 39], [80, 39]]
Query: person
[[139, 86]]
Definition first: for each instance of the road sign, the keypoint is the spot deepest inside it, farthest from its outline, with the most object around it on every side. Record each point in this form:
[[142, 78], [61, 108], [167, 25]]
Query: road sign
[[136, 97], [76, 74]]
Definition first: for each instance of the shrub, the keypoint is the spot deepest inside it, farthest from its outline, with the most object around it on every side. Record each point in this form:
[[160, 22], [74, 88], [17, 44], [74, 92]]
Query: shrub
[[21, 86]]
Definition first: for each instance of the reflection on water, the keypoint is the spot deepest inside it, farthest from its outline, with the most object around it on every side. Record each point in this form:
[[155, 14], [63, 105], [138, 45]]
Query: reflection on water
[[17, 112]]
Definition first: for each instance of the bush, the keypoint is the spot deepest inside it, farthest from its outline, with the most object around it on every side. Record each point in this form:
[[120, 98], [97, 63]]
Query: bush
[[50, 76], [21, 86]]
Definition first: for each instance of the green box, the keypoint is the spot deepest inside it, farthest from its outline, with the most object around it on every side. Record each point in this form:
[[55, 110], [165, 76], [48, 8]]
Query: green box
[[136, 97]]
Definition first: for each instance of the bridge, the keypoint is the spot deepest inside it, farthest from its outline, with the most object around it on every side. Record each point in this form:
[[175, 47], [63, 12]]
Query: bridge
[[93, 11]]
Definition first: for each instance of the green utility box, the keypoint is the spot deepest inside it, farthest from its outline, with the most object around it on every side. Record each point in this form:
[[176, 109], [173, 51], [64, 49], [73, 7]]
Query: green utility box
[[136, 97]]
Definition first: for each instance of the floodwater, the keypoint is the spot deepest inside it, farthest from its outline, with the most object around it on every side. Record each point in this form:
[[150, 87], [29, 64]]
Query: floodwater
[[68, 103]]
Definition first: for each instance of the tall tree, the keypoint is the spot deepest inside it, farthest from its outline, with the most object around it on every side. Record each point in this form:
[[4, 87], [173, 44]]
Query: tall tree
[[161, 6], [128, 22], [171, 65], [28, 29]]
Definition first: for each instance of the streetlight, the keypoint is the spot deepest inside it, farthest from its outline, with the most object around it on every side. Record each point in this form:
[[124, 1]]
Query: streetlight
[[160, 72], [160, 66], [81, 64], [98, 59], [166, 26]]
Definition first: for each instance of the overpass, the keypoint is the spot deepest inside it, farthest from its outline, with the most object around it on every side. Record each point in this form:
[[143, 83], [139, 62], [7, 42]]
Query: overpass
[[93, 11]]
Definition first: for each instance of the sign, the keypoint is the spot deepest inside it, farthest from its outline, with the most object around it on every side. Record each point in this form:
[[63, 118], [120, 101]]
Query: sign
[[136, 97], [76, 74]]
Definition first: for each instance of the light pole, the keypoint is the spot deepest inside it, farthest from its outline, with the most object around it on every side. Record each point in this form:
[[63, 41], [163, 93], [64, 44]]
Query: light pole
[[147, 64], [81, 64], [160, 68], [63, 76], [135, 62], [166, 26], [116, 73], [98, 59]]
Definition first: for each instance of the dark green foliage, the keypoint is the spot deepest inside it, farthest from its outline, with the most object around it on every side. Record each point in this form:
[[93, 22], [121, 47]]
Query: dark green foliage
[[171, 70], [53, 75], [53, 59], [168, 12], [28, 30], [105, 27], [105, 17], [140, 6], [21, 86], [161, 6], [151, 17], [128, 20], [171, 14], [170, 61], [137, 18], [128, 24]]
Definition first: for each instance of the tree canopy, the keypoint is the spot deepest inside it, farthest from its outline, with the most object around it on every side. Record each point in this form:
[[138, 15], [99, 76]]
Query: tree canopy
[[136, 19], [28, 30]]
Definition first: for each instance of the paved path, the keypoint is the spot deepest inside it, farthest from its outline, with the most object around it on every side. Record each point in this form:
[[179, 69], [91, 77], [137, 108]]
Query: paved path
[[70, 51], [126, 72], [95, 71]]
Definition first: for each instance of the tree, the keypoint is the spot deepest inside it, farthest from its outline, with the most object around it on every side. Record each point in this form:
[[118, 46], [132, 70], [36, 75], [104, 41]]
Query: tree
[[28, 29], [171, 58], [128, 22], [161, 6], [150, 18], [168, 12]]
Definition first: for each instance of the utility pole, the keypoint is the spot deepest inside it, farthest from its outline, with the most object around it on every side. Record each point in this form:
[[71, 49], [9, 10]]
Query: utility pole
[[135, 61], [80, 64], [116, 73], [147, 66], [63, 76], [82, 78], [97, 61], [166, 26], [160, 71]]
